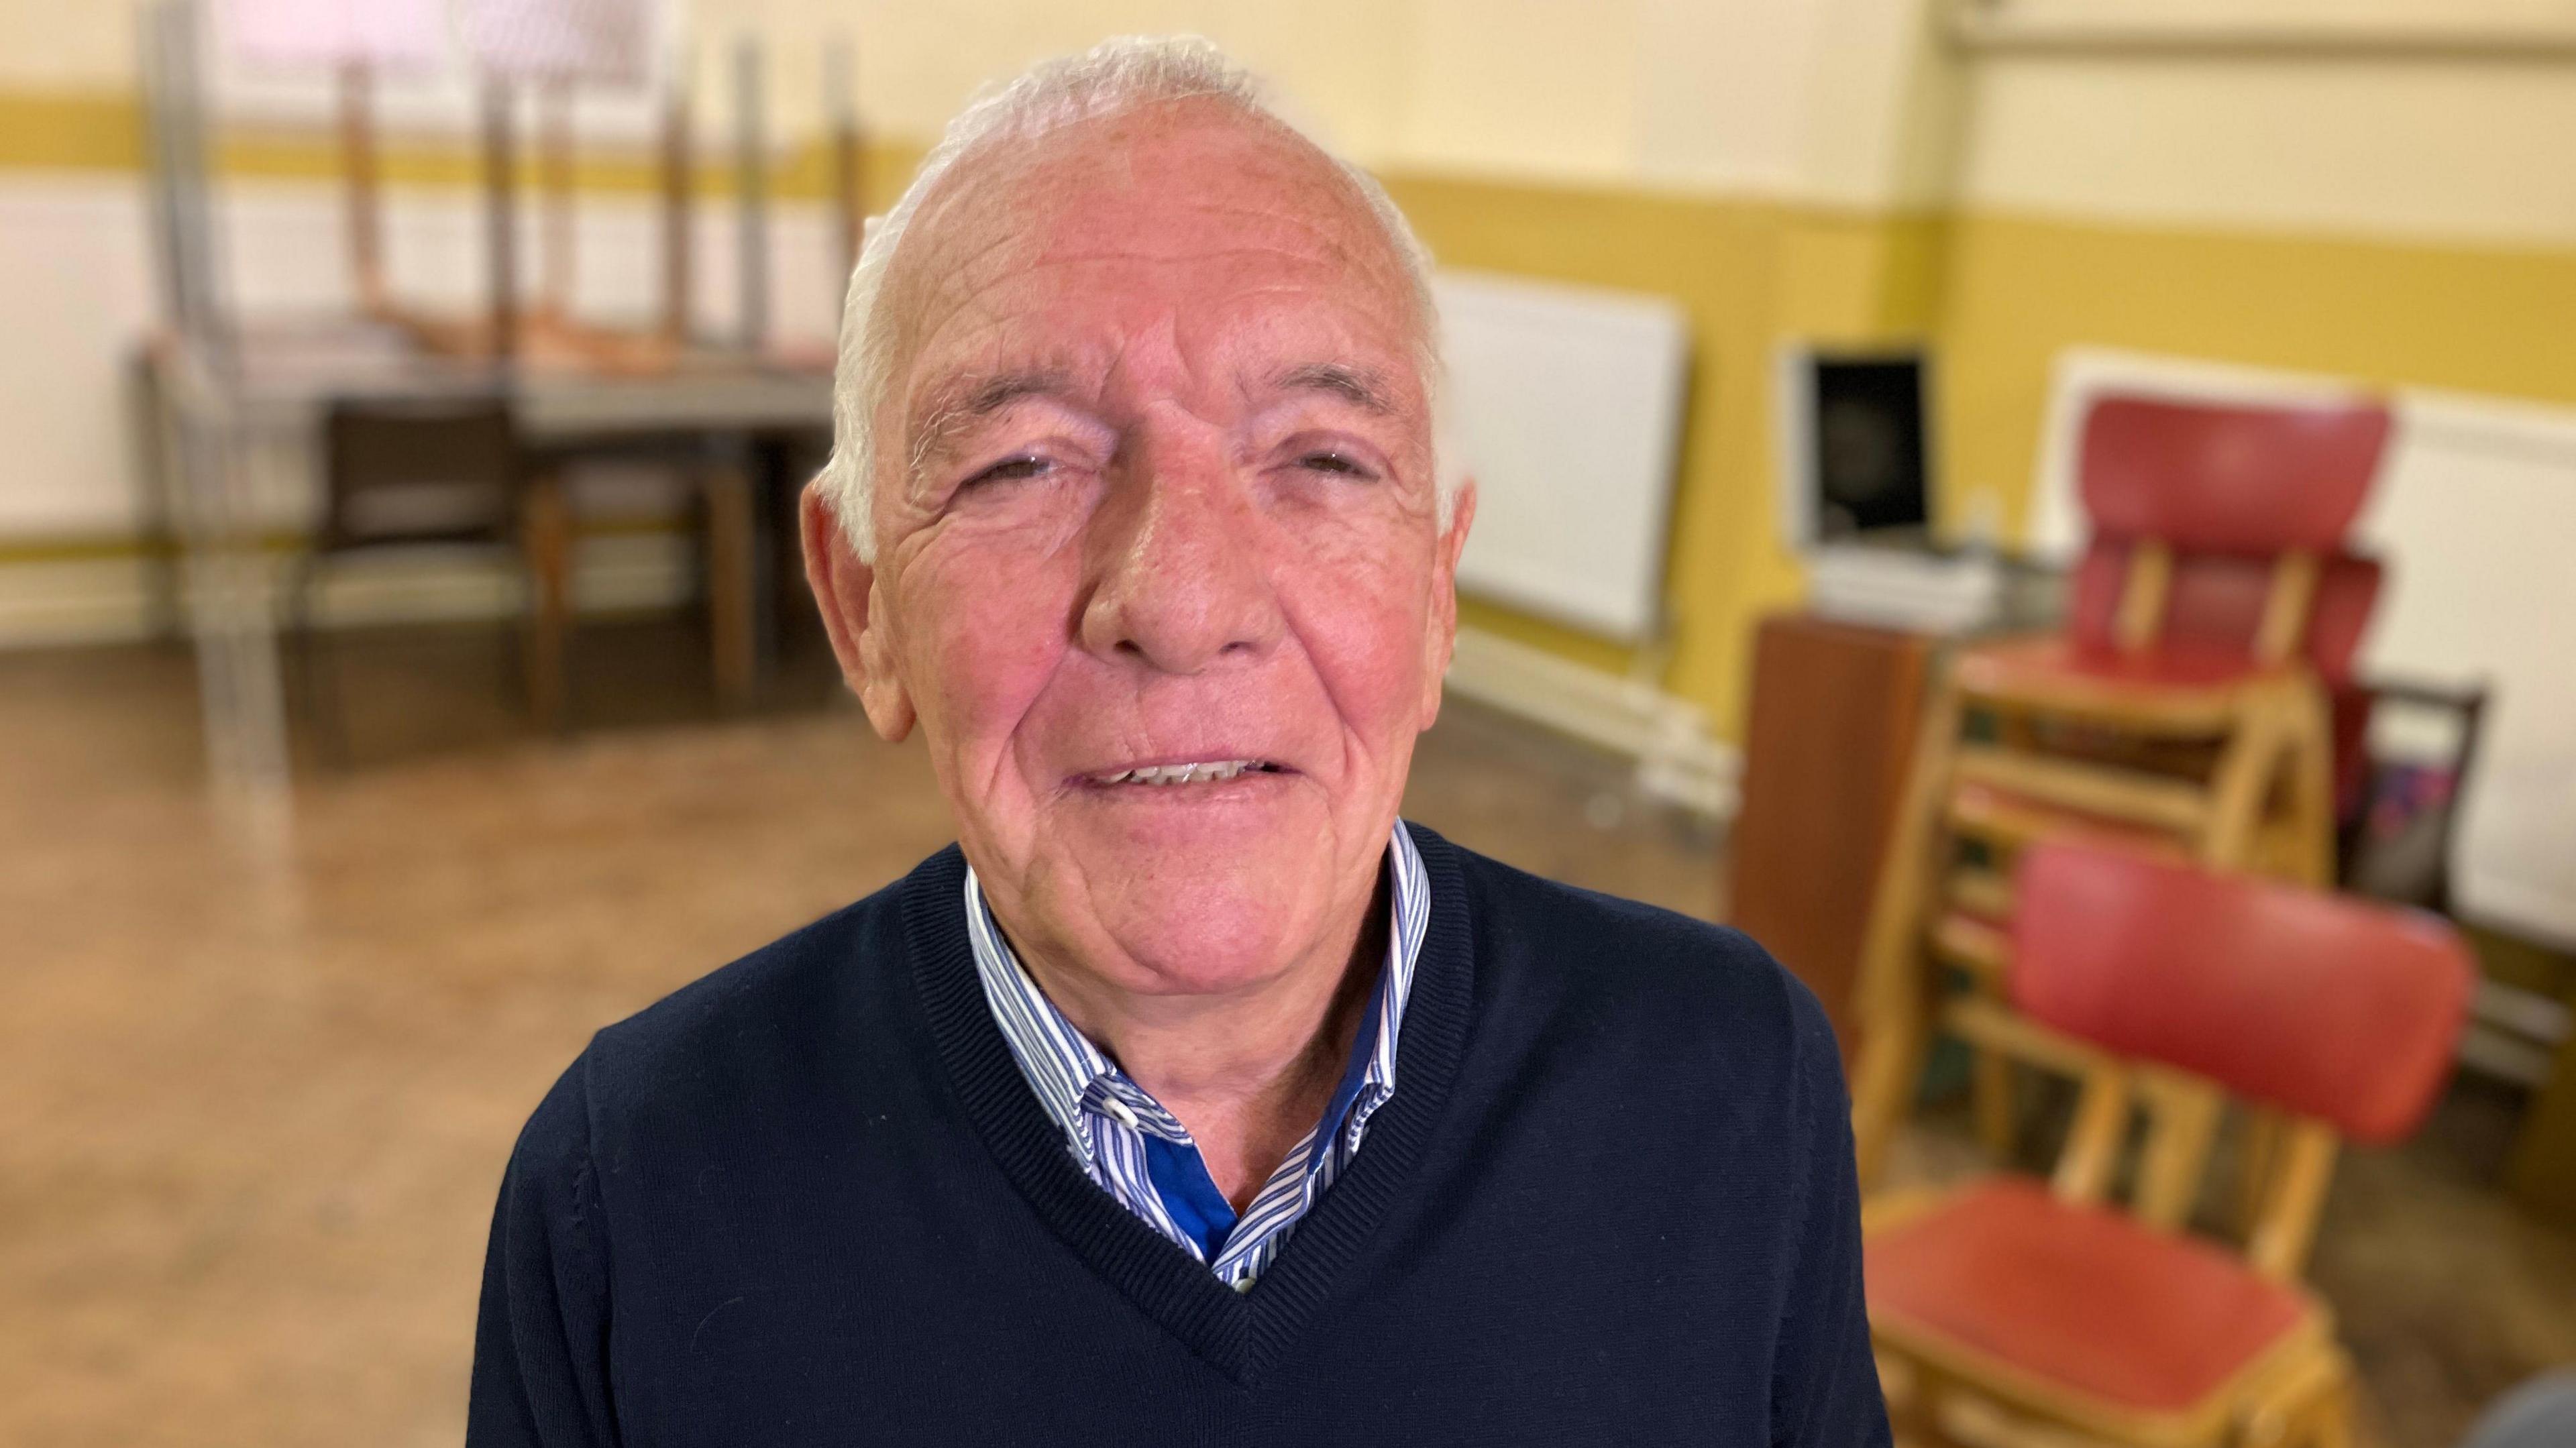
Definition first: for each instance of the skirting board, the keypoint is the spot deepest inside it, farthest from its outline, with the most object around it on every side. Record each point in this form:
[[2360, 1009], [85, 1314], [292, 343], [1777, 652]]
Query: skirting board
[[1677, 760], [110, 598]]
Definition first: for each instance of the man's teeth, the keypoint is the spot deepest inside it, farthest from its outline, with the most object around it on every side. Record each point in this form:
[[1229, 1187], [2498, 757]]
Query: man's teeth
[[1207, 773]]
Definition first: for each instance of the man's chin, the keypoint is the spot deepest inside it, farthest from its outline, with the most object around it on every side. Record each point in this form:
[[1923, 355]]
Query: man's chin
[[1210, 920], [1206, 893], [1209, 957]]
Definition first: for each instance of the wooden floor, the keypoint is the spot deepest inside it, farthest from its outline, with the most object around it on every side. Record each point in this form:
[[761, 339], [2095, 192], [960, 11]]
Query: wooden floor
[[252, 1112]]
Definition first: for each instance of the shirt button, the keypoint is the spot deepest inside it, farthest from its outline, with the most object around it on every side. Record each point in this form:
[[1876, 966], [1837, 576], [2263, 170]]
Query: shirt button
[[1117, 1109]]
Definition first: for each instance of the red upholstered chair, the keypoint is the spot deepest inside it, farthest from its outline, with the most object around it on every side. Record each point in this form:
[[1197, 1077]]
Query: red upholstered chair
[[2042, 1301], [2181, 710]]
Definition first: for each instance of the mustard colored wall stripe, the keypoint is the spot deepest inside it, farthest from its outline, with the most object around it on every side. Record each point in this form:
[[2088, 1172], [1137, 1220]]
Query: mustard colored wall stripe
[[2017, 290], [70, 131], [103, 131]]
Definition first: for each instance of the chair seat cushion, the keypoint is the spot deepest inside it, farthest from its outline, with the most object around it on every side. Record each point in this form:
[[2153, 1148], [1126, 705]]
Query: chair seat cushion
[[2052, 666], [2081, 1300]]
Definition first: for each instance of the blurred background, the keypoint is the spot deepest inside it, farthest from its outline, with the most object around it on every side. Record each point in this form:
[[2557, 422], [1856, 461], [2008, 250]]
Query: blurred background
[[1907, 431]]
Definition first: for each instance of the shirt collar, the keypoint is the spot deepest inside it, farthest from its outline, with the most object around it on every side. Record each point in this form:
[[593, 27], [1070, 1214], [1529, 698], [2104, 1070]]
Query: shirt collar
[[1070, 1076]]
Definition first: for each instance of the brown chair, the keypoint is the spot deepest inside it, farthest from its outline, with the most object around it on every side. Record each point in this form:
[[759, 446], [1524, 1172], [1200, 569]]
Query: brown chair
[[404, 475], [2181, 712], [2038, 1303]]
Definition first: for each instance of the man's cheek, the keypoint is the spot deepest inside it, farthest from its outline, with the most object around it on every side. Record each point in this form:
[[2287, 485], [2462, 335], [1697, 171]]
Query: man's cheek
[[1367, 640], [994, 659]]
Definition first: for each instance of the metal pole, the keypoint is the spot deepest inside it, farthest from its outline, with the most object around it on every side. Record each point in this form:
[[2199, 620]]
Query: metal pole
[[227, 575], [678, 207], [555, 179], [500, 221], [849, 159], [358, 167], [751, 177]]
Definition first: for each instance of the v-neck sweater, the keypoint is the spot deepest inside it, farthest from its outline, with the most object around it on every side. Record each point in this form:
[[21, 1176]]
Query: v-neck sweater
[[810, 1199]]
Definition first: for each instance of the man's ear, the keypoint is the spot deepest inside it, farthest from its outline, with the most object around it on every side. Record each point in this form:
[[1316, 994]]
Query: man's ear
[[1442, 639], [845, 590]]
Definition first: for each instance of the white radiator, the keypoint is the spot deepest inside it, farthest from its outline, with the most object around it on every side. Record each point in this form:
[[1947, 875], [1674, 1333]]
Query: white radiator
[[1565, 404]]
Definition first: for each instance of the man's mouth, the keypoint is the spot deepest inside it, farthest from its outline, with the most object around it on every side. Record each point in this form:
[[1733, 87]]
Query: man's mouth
[[1210, 771]]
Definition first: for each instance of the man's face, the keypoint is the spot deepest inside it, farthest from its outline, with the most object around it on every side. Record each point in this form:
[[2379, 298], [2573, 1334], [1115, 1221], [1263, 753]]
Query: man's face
[[1155, 489]]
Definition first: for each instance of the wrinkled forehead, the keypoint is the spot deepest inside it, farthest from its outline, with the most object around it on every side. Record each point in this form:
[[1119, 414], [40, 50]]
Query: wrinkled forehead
[[1174, 186]]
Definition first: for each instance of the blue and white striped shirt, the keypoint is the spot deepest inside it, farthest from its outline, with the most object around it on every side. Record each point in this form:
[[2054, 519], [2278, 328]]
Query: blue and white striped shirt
[[1140, 1153]]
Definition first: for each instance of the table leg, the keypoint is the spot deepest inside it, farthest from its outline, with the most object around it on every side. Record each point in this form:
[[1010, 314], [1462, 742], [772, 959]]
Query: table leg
[[2542, 1173], [730, 572], [546, 537]]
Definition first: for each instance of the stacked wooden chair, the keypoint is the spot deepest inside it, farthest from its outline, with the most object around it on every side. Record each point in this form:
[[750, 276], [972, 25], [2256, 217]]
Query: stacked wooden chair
[[2182, 712], [2014, 1304]]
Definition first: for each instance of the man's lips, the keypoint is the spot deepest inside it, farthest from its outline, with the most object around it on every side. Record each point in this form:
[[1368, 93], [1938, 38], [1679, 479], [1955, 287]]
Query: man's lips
[[1175, 773]]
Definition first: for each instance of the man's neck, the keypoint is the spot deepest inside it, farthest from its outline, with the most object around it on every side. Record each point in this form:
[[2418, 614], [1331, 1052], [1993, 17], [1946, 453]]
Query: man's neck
[[1248, 1074]]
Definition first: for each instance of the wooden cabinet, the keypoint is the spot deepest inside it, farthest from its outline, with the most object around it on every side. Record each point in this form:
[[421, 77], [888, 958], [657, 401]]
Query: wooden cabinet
[[1826, 748]]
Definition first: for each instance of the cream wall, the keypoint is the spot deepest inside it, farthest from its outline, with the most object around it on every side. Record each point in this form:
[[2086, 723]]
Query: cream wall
[[53, 45], [2413, 149], [1738, 94], [1782, 99], [1852, 102]]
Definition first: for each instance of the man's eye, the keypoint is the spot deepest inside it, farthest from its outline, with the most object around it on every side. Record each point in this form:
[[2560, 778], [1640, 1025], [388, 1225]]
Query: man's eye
[[1332, 462], [1012, 470]]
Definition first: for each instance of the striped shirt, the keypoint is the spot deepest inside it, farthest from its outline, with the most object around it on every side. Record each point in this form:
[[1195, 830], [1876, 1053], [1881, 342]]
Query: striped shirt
[[1141, 1154]]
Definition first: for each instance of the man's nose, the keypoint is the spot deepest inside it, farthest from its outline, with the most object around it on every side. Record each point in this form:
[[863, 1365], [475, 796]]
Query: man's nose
[[1180, 585]]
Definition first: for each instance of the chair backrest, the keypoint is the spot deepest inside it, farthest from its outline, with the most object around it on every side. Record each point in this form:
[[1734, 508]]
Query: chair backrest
[[2215, 604], [2220, 529], [2328, 1007], [419, 470], [2211, 478]]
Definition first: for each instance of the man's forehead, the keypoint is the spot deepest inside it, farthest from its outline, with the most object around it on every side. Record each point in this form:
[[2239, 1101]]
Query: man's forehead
[[1183, 186]]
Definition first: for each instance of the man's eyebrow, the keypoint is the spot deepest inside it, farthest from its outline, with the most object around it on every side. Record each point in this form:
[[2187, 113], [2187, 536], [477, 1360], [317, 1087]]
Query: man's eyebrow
[[1361, 387], [962, 401]]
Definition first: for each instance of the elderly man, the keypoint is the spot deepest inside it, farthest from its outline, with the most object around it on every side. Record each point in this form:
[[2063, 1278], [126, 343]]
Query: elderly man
[[1191, 1098]]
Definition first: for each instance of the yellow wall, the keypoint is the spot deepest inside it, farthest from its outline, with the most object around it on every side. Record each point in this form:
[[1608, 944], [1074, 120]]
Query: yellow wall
[[2019, 289], [89, 130], [1751, 274]]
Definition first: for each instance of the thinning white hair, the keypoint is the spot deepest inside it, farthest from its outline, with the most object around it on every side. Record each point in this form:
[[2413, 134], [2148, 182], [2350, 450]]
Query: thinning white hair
[[1116, 76]]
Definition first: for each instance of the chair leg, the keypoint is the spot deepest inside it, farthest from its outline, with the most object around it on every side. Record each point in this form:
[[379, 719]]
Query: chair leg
[[2185, 1115], [2311, 770], [730, 570], [2331, 1425], [330, 731], [2308, 1407], [545, 539], [2238, 787], [1915, 1414], [2256, 1159], [1894, 1015], [1888, 1064], [1991, 1084]]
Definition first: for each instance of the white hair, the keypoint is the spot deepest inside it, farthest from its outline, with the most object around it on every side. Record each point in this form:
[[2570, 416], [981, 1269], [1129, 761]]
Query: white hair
[[1115, 76]]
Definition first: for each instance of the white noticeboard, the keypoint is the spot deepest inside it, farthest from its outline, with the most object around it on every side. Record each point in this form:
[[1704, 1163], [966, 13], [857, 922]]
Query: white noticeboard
[[1565, 405]]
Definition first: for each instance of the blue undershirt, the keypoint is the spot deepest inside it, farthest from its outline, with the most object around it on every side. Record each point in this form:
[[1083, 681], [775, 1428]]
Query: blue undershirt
[[1180, 1174]]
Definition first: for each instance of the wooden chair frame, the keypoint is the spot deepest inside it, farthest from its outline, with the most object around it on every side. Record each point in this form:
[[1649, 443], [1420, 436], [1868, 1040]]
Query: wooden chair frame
[[2266, 804], [2296, 1395]]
